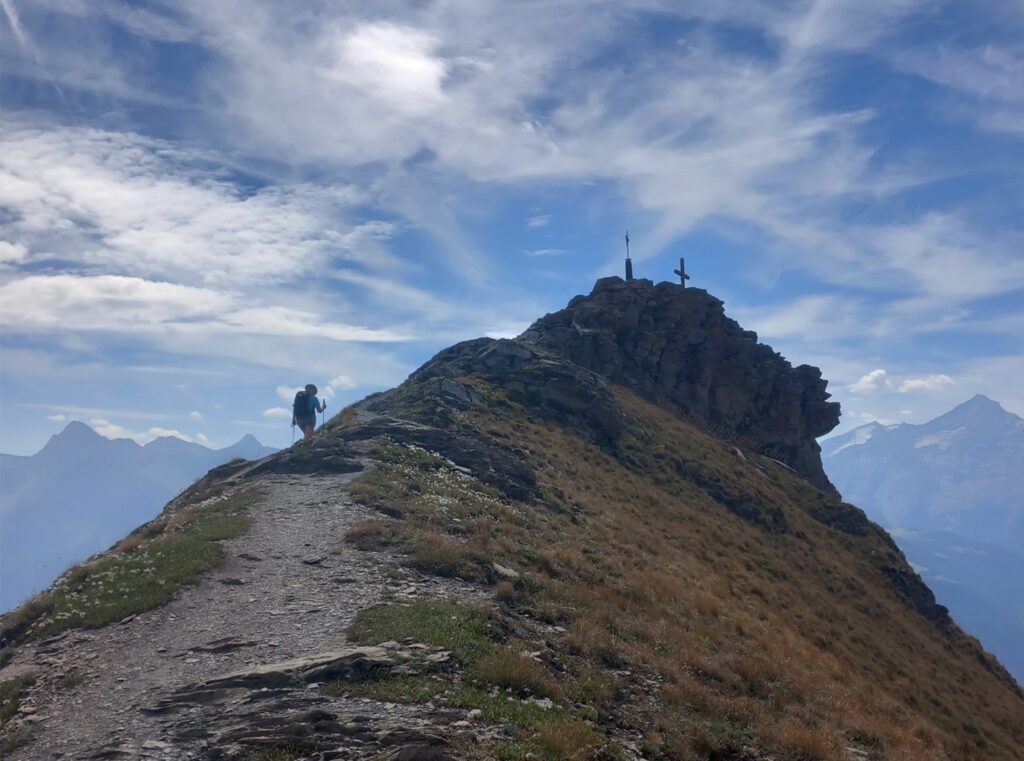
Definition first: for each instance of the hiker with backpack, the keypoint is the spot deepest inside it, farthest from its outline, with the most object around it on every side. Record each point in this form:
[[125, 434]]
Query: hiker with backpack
[[304, 410]]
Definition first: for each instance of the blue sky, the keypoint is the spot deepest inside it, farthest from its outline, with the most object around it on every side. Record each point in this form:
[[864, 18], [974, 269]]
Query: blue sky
[[204, 205]]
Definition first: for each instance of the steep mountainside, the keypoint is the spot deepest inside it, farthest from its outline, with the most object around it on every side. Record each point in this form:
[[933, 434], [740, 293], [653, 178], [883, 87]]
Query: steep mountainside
[[957, 473], [949, 489], [981, 585], [513, 555], [82, 492]]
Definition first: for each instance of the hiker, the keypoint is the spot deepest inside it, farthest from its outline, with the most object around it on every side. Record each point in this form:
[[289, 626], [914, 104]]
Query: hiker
[[304, 410]]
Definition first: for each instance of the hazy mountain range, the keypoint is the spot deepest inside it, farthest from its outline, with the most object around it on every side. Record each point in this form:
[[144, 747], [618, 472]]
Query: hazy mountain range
[[949, 491], [82, 492]]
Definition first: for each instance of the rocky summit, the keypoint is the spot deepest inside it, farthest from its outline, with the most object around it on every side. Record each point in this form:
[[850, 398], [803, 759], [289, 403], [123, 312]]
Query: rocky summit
[[676, 345], [609, 538]]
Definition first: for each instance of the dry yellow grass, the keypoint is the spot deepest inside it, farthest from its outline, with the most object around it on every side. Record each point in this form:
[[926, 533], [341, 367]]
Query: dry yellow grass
[[792, 642]]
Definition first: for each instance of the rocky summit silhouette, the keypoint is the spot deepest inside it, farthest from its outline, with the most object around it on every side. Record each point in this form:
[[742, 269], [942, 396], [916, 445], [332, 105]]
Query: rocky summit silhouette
[[609, 538]]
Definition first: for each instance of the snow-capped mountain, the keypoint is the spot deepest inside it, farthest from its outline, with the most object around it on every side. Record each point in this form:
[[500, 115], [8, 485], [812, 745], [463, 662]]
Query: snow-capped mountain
[[960, 472]]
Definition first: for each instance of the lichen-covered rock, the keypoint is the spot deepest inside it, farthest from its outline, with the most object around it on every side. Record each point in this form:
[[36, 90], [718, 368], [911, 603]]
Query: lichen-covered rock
[[676, 345]]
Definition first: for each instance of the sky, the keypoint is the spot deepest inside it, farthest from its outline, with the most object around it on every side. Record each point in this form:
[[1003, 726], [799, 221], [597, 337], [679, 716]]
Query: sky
[[204, 206]]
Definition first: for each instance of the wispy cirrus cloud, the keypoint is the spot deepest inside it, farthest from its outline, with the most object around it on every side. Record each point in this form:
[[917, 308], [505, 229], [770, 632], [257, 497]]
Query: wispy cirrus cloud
[[306, 185], [112, 303]]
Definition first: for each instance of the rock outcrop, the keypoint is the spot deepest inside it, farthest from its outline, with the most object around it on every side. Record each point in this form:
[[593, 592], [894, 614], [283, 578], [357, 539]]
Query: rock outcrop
[[676, 345]]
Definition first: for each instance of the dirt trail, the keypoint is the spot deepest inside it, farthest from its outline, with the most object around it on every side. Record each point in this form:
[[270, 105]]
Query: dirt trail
[[288, 588]]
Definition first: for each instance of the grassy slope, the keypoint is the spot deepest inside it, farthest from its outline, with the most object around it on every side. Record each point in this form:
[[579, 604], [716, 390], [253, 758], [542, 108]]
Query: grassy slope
[[143, 571], [703, 632]]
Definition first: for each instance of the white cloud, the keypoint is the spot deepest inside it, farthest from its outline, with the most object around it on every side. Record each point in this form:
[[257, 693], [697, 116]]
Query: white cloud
[[993, 74], [11, 253], [936, 382], [338, 383], [287, 393], [391, 62], [131, 305], [111, 430], [342, 383], [277, 413], [545, 252], [879, 382], [196, 415], [538, 220], [202, 439], [148, 208], [58, 418], [874, 382]]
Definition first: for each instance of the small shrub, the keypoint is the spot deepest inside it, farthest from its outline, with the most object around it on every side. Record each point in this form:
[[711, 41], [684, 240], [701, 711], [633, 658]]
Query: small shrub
[[505, 591], [71, 680], [10, 695], [568, 740], [374, 534], [516, 672], [437, 554]]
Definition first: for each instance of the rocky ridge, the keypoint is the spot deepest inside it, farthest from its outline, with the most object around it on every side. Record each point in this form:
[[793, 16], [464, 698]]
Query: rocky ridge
[[656, 583], [676, 345]]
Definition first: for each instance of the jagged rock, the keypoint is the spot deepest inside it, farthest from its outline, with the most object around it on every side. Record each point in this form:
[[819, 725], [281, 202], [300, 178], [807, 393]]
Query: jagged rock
[[905, 581], [545, 384], [676, 345], [486, 459]]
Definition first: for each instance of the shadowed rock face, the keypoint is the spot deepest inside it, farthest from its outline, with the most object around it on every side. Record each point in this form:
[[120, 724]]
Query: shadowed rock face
[[676, 345]]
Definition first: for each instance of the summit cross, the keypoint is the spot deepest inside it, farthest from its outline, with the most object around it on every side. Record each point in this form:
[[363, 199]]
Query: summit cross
[[683, 277]]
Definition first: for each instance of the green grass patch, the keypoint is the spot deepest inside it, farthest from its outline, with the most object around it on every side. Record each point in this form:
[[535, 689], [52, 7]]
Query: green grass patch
[[465, 632], [412, 481], [144, 577], [498, 707], [283, 753], [10, 695], [408, 689]]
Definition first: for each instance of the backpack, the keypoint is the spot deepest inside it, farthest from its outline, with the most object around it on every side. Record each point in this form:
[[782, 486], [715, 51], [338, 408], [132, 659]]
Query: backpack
[[300, 407]]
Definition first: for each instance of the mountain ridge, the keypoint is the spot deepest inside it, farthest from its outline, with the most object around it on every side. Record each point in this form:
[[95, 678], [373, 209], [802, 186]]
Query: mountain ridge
[[511, 556]]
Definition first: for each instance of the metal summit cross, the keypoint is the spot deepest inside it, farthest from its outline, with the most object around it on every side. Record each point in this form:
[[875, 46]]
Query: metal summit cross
[[683, 277], [629, 262]]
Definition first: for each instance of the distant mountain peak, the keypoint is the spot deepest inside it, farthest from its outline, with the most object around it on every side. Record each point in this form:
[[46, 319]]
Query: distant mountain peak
[[76, 436], [980, 401], [78, 428], [978, 410]]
